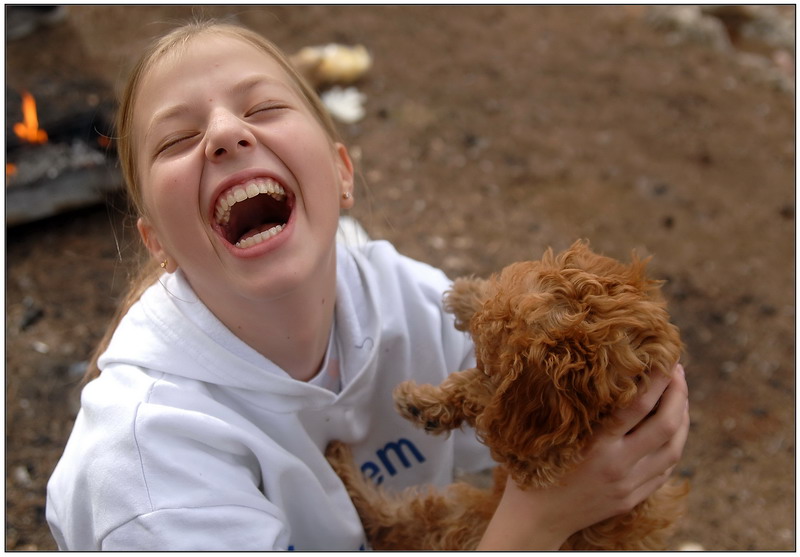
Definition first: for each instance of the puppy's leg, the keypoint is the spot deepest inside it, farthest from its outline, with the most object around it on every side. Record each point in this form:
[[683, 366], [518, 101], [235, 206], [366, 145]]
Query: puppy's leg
[[374, 508], [460, 397], [411, 519], [366, 498]]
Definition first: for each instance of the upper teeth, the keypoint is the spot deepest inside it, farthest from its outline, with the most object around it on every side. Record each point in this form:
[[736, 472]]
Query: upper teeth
[[222, 212]]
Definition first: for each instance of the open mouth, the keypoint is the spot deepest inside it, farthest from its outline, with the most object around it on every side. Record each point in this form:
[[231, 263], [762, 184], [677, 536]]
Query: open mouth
[[252, 212]]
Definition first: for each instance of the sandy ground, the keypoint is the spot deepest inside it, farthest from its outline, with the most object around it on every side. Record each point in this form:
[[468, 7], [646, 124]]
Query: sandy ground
[[492, 133]]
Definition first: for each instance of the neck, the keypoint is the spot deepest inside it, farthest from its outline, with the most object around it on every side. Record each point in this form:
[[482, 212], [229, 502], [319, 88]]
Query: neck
[[295, 336], [293, 330]]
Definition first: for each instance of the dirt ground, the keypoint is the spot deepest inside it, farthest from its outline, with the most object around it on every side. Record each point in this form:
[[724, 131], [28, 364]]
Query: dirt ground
[[491, 133]]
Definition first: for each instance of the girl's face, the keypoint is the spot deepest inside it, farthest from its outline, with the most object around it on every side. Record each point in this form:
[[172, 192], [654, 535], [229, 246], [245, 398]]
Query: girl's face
[[241, 185]]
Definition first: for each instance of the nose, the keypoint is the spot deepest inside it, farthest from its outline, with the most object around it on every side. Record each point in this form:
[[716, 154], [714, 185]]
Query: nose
[[227, 135]]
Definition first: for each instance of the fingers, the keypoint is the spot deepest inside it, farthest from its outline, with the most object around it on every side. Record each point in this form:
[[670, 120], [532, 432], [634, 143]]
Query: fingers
[[654, 469], [644, 403], [637, 455], [659, 428], [661, 462], [643, 492]]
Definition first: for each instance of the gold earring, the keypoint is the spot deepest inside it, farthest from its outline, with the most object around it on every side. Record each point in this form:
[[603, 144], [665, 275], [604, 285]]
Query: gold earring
[[347, 195], [164, 263]]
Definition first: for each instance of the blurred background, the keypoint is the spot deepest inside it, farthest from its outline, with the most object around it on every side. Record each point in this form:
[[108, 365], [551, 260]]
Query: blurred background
[[482, 135]]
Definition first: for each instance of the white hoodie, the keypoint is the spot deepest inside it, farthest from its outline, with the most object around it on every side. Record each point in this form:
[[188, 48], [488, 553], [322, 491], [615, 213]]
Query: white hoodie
[[192, 440]]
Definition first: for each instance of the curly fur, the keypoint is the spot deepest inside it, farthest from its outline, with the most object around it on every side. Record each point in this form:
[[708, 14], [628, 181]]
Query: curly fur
[[560, 344]]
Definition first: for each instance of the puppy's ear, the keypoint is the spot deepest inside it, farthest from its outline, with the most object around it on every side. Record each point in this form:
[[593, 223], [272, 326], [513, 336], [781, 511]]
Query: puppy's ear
[[538, 424], [464, 299]]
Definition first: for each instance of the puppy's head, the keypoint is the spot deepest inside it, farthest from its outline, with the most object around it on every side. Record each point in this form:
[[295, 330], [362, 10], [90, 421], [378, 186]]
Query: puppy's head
[[565, 341]]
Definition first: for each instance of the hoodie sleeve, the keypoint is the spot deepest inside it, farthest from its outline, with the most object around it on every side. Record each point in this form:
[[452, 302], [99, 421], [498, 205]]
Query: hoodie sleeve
[[140, 473], [222, 528]]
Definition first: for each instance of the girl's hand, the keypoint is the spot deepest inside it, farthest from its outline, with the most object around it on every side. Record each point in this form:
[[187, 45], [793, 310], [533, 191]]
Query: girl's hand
[[624, 464]]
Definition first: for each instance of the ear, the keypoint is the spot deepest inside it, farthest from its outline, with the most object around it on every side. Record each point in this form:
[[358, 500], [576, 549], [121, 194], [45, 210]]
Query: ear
[[537, 430], [151, 242], [346, 173], [464, 299]]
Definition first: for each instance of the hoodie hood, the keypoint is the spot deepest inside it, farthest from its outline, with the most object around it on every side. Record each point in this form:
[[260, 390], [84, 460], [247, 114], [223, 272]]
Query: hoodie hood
[[170, 330]]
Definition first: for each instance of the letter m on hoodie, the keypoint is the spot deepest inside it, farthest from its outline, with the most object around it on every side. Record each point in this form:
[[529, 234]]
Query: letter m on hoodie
[[398, 452]]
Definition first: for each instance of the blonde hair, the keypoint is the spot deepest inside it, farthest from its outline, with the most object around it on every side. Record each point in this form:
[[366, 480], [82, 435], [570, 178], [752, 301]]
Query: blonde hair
[[173, 43]]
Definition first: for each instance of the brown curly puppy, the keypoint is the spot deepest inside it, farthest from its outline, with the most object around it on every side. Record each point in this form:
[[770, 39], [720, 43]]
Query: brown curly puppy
[[560, 344]]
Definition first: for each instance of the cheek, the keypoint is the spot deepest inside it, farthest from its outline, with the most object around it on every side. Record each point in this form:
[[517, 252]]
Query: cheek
[[171, 183], [310, 154], [170, 198]]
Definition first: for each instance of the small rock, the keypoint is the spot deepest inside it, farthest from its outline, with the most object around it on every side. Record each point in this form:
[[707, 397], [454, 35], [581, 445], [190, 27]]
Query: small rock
[[77, 369], [689, 24], [437, 242], [345, 104], [729, 367], [729, 424], [333, 63], [40, 347], [32, 314], [22, 477]]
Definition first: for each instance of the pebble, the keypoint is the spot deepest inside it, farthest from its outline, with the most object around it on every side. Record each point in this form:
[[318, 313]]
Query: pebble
[[22, 477], [774, 445], [40, 347], [77, 369], [437, 242], [729, 367], [345, 104], [33, 313], [729, 424]]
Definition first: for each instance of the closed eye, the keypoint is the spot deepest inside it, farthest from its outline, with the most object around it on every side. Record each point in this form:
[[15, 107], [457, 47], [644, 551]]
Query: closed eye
[[266, 107], [173, 141]]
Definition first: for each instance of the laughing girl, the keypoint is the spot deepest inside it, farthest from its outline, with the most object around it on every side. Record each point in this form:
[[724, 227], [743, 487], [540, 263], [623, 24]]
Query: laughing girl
[[254, 339]]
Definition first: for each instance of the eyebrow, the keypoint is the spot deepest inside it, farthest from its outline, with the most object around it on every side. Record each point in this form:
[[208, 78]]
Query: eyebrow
[[168, 113], [253, 81]]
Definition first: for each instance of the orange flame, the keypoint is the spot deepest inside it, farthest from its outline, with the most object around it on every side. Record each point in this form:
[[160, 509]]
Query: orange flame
[[28, 130]]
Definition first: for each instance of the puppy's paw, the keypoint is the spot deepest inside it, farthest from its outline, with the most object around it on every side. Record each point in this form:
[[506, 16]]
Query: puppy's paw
[[419, 404], [415, 415], [339, 455]]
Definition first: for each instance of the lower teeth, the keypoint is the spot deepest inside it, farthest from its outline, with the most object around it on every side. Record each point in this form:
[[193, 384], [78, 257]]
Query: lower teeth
[[260, 237]]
